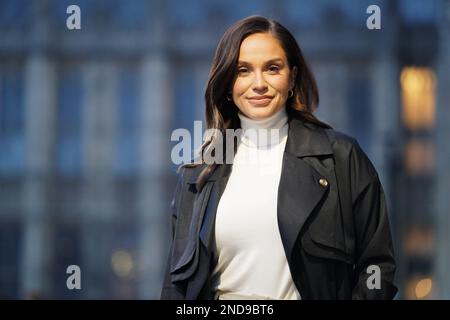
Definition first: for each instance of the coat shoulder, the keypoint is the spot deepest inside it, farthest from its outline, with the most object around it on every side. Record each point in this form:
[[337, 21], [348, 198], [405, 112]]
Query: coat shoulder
[[188, 171], [341, 140], [347, 149]]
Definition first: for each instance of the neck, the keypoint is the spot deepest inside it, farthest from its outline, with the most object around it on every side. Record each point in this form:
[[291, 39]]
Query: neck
[[264, 132]]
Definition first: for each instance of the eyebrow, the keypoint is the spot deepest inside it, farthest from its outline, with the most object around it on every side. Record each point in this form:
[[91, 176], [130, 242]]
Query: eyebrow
[[268, 61]]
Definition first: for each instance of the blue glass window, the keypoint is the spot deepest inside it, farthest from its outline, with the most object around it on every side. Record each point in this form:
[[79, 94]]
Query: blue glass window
[[418, 11], [235, 10], [186, 13], [127, 136], [10, 251], [131, 14], [12, 137], [360, 111], [15, 13], [69, 122]]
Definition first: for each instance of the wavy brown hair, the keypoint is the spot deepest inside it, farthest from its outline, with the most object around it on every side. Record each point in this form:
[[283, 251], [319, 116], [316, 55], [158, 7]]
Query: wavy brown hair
[[222, 114]]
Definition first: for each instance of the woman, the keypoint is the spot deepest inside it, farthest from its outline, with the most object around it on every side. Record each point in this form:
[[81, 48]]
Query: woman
[[305, 218]]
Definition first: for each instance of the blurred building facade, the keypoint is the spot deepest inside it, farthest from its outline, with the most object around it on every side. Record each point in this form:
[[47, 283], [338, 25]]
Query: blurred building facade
[[86, 117]]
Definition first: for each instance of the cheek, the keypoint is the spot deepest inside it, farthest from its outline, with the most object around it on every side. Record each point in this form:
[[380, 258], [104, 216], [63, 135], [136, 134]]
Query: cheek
[[281, 85], [240, 87]]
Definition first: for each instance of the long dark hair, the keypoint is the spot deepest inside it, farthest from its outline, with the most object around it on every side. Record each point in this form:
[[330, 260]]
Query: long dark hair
[[221, 113]]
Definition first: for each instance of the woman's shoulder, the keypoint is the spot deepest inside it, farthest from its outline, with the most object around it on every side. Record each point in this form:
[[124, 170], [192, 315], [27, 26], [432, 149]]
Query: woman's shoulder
[[321, 133], [347, 150], [185, 171], [189, 172], [341, 140]]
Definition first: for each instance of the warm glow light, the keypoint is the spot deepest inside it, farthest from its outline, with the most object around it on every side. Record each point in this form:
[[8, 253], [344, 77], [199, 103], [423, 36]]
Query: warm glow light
[[122, 263], [423, 288], [418, 97], [419, 242], [419, 156]]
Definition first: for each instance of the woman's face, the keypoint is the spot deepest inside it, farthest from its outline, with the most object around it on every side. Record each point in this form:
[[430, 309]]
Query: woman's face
[[264, 79]]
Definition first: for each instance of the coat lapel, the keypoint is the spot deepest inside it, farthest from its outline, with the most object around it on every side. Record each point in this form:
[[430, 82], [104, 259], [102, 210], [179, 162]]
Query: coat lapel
[[300, 190], [186, 249], [202, 238], [201, 222], [219, 183]]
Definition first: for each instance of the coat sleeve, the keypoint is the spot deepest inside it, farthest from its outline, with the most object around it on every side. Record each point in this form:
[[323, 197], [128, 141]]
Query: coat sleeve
[[170, 291], [374, 247]]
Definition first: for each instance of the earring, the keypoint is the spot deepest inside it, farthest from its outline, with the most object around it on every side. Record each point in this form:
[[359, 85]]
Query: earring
[[291, 93], [229, 98]]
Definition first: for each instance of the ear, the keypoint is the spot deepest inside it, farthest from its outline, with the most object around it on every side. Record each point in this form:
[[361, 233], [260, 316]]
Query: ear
[[293, 76]]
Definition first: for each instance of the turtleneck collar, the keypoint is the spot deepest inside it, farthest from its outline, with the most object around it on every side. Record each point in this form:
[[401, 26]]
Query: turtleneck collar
[[265, 132]]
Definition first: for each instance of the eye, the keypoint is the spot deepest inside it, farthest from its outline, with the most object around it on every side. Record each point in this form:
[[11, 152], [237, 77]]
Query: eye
[[274, 68], [242, 70]]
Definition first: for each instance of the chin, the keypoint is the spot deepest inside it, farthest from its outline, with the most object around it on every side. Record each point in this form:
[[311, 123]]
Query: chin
[[258, 113]]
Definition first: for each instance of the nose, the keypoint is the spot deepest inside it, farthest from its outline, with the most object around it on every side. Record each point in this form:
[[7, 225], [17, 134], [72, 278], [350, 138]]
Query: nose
[[259, 83]]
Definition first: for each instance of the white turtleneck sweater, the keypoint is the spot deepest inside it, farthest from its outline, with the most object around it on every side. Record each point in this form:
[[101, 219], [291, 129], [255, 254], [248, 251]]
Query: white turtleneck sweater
[[250, 262]]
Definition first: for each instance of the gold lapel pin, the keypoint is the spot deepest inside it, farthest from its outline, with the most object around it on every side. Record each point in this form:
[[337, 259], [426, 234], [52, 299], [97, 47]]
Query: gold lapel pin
[[323, 182]]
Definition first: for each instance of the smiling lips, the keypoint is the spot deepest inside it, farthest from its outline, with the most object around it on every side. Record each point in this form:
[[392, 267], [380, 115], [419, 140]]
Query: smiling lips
[[260, 100]]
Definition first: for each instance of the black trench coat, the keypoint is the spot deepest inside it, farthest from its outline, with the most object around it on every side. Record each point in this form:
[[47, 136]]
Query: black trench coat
[[332, 219]]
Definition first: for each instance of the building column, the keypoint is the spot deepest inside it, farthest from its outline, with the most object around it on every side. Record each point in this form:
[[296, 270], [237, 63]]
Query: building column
[[442, 200], [154, 161], [39, 136], [386, 95], [386, 111], [98, 203]]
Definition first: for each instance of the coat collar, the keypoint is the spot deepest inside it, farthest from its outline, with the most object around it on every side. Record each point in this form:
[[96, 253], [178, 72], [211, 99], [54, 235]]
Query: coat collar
[[306, 139]]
